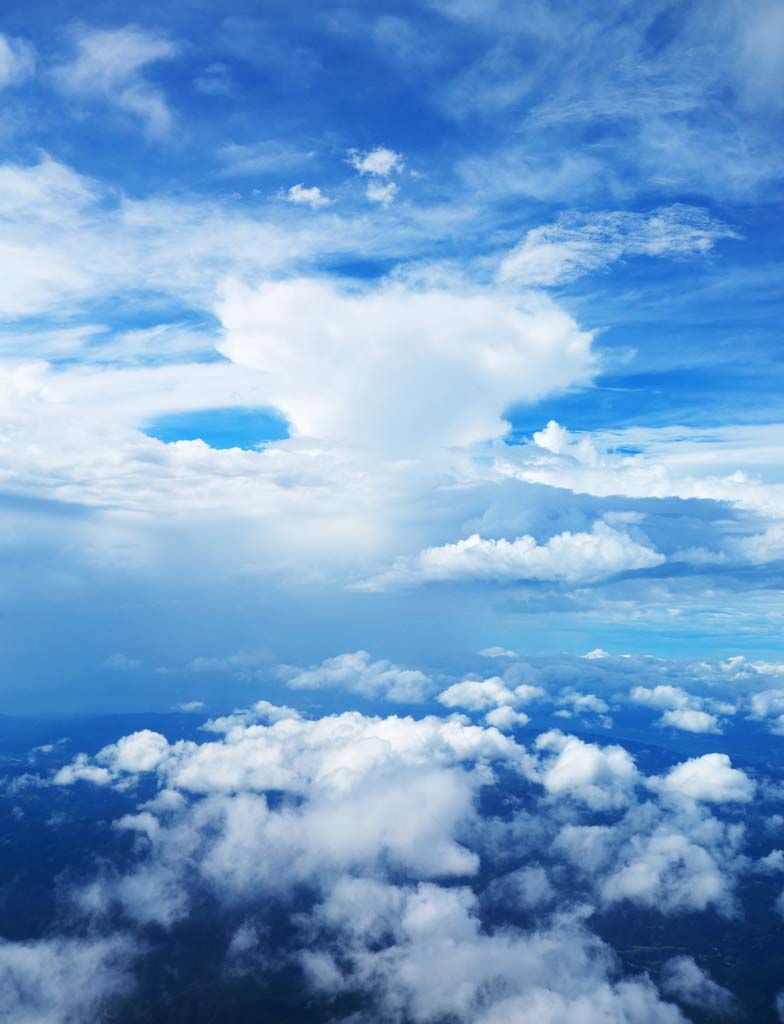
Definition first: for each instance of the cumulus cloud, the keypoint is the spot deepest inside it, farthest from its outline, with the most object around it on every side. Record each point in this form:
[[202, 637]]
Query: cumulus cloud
[[560, 973], [312, 197], [478, 694], [578, 244], [506, 718], [369, 814], [600, 777], [356, 673], [663, 696], [381, 192], [768, 705], [395, 383], [381, 162], [710, 778], [691, 720], [568, 557]]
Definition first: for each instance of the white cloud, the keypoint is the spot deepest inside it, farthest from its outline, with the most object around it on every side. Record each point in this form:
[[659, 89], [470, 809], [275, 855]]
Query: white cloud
[[684, 980], [768, 704], [596, 654], [442, 964], [379, 164], [141, 751], [506, 718], [583, 702], [80, 770], [663, 696], [381, 161], [312, 197], [259, 158], [380, 192], [572, 557], [668, 871], [600, 777], [61, 980], [356, 673], [109, 66], [491, 693], [386, 355], [190, 706], [578, 244], [17, 61], [497, 652], [710, 778], [691, 720]]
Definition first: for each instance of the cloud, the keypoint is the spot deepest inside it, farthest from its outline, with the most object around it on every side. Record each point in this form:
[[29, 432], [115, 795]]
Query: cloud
[[214, 80], [497, 652], [684, 980], [60, 980], [556, 974], [662, 697], [583, 243], [260, 158], [371, 814], [190, 706], [666, 462], [768, 705], [710, 778], [356, 673], [600, 777], [381, 162], [690, 720], [382, 193], [17, 61], [478, 694], [108, 67], [500, 350], [568, 557], [506, 719], [312, 197]]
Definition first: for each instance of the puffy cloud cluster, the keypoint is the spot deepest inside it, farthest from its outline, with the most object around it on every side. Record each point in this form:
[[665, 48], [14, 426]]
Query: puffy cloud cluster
[[711, 778], [409, 368], [61, 980], [379, 165], [603, 778], [442, 963], [312, 197], [494, 697], [570, 557], [357, 673], [380, 821]]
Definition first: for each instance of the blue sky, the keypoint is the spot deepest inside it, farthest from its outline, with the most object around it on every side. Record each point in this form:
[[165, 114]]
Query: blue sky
[[412, 328]]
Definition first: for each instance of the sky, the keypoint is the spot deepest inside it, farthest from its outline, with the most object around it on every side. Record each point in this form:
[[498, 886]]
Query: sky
[[414, 329], [391, 512]]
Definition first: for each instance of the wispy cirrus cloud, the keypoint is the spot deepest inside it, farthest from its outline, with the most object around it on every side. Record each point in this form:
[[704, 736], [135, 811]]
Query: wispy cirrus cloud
[[109, 67]]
